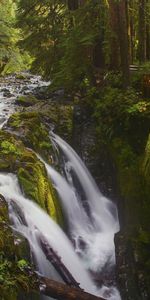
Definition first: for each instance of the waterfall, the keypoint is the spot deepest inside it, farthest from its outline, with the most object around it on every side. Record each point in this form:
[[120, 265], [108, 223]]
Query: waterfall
[[35, 222], [92, 219], [93, 234]]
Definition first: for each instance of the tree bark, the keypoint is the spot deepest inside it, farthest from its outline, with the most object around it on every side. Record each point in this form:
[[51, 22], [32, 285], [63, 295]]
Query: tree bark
[[61, 291], [123, 41], [56, 261], [147, 41], [73, 4], [142, 31], [114, 43], [131, 35]]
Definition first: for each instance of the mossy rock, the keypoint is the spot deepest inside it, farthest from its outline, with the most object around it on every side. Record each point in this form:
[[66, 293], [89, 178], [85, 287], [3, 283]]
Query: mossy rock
[[59, 115], [146, 161], [21, 76], [26, 101], [129, 181], [11, 276], [36, 185], [31, 130], [62, 118], [133, 242], [32, 175], [6, 236]]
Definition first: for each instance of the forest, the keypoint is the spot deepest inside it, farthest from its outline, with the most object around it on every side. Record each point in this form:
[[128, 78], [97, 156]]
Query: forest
[[75, 149]]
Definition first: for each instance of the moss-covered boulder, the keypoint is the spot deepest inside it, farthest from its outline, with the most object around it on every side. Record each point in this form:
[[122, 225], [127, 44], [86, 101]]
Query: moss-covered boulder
[[133, 242], [26, 101], [146, 161], [32, 131], [32, 175], [6, 236], [14, 278], [60, 116]]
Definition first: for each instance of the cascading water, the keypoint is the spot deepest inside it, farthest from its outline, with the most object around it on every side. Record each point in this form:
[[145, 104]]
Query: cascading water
[[92, 218], [93, 233], [11, 88], [38, 222], [97, 230]]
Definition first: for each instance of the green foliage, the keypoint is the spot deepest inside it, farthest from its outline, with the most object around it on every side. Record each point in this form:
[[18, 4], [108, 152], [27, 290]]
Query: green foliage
[[11, 59], [60, 40], [112, 110], [8, 147], [22, 264], [114, 79], [118, 111]]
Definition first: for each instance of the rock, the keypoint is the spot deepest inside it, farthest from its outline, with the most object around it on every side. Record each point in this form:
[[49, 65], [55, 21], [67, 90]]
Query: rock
[[32, 131], [26, 100], [133, 241], [32, 175], [13, 280], [7, 245], [42, 92], [133, 278], [21, 76], [7, 94]]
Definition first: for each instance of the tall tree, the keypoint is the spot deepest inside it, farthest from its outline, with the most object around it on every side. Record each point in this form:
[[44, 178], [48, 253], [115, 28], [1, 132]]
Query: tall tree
[[11, 58], [142, 31], [114, 42], [73, 4], [123, 41]]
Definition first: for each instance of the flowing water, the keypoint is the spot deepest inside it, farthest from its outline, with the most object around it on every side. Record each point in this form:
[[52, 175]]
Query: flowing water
[[11, 88], [96, 228], [91, 218]]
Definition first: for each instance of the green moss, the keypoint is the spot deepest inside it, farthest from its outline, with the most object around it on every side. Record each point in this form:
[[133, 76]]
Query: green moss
[[36, 185], [8, 147], [26, 100], [32, 175], [133, 177], [6, 236], [146, 161], [61, 116], [9, 270], [32, 132]]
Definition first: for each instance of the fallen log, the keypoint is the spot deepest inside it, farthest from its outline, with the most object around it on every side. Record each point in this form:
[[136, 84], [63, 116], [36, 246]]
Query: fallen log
[[56, 261], [61, 291]]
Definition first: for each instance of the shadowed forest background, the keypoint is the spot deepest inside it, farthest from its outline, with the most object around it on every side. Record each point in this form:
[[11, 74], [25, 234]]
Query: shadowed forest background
[[95, 54]]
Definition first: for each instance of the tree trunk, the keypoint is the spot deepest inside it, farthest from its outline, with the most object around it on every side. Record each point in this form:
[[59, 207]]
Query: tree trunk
[[73, 4], [114, 44], [61, 291], [131, 38], [57, 263], [142, 31], [123, 41], [147, 41]]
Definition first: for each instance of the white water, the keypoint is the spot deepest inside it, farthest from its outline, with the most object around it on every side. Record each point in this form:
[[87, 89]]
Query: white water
[[37, 221], [97, 231], [15, 86]]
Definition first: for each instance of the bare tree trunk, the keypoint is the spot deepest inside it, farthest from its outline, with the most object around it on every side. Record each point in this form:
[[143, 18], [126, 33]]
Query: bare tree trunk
[[142, 31], [131, 38], [123, 41], [114, 44], [147, 41], [73, 4]]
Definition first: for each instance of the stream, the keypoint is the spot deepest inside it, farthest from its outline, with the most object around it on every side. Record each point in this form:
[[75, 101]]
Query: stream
[[87, 249]]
